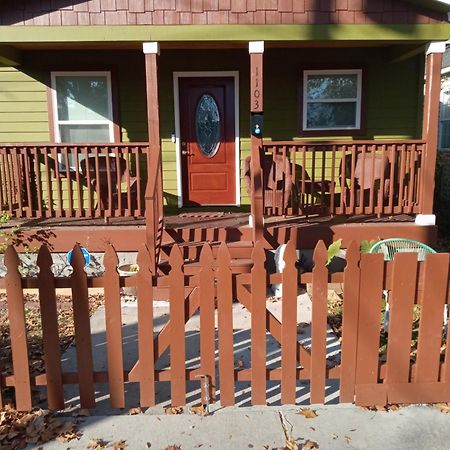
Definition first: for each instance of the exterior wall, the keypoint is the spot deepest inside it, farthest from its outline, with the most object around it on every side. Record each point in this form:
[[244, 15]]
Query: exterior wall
[[173, 12], [393, 95]]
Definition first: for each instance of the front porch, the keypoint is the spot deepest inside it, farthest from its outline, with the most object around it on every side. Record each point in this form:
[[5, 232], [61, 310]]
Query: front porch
[[369, 183]]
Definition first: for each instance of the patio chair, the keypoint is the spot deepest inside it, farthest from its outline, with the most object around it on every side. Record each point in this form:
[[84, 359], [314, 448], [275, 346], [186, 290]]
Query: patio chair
[[389, 247]]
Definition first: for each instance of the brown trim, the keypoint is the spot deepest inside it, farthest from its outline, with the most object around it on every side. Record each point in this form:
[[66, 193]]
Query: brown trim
[[362, 130], [117, 130]]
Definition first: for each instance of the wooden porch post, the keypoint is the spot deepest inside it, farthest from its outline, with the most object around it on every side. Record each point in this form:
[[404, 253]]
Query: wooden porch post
[[431, 121], [154, 188], [256, 50]]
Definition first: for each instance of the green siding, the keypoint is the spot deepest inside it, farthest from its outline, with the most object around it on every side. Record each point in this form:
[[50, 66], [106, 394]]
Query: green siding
[[393, 95]]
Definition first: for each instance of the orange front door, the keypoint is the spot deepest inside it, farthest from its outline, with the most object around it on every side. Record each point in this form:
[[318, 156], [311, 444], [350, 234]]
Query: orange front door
[[208, 153]]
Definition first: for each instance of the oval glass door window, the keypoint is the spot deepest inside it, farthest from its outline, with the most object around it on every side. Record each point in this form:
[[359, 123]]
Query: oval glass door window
[[207, 125]]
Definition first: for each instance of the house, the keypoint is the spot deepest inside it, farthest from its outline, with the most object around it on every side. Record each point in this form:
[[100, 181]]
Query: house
[[308, 113]]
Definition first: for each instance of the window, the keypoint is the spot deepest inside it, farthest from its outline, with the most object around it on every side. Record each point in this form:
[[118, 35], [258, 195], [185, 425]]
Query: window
[[82, 108], [332, 100], [444, 117]]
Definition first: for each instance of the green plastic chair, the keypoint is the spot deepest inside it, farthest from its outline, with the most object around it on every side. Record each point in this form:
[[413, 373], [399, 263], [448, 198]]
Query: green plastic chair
[[389, 247]]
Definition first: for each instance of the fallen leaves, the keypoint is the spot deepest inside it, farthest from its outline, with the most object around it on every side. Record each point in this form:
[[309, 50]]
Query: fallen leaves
[[173, 410], [200, 410], [443, 407], [173, 447], [96, 444], [119, 445], [309, 445], [17, 429], [307, 413], [135, 411]]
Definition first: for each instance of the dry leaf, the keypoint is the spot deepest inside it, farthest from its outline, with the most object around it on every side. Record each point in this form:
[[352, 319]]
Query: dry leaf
[[119, 445], [200, 410], [96, 444], [81, 413], [290, 444], [135, 411], [443, 407], [307, 413], [173, 410], [173, 447], [309, 445]]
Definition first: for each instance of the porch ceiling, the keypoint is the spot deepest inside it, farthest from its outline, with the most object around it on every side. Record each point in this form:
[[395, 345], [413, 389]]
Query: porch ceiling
[[135, 34]]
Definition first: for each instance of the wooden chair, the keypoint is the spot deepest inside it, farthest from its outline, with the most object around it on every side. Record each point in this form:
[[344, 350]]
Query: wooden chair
[[111, 170]]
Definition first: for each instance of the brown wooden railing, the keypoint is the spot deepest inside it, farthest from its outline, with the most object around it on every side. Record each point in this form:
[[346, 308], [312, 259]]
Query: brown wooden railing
[[332, 178], [410, 371], [79, 180]]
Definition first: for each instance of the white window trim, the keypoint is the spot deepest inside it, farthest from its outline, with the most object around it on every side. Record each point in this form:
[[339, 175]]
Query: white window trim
[[445, 88], [358, 98], [57, 122]]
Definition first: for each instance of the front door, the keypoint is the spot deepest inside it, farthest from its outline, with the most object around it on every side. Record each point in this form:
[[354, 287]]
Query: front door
[[207, 136]]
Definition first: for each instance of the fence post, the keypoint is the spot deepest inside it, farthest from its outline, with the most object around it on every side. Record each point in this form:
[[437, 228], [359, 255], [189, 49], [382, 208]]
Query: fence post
[[319, 324], [113, 313], [50, 335], [225, 321], [17, 330], [145, 328], [258, 326], [207, 327], [350, 324], [289, 325], [83, 339]]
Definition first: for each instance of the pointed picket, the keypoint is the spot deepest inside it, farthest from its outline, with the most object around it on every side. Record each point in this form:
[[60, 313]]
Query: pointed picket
[[225, 325], [289, 326], [178, 337], [207, 326], [83, 340], [319, 324], [350, 323], [17, 330], [145, 328], [50, 335], [258, 326], [113, 317]]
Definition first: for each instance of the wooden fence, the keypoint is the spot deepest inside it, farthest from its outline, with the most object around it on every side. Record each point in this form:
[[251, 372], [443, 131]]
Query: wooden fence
[[73, 180], [359, 177], [367, 375]]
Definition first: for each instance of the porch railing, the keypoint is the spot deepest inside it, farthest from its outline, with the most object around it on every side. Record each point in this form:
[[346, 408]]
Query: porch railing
[[333, 178], [79, 180]]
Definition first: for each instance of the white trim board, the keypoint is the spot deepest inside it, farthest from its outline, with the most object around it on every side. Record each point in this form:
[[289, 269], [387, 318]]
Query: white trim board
[[176, 99]]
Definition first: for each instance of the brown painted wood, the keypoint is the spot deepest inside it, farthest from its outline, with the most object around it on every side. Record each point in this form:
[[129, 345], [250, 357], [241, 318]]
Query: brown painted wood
[[177, 318], [256, 83], [17, 331], [113, 316], [319, 324], [289, 326], [146, 372], [83, 340], [225, 327], [350, 324], [370, 295], [50, 335], [207, 321], [430, 128], [258, 326], [433, 298], [401, 299], [208, 180]]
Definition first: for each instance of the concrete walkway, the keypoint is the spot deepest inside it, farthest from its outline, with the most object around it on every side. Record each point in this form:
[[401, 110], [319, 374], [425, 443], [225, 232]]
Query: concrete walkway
[[243, 427], [335, 427]]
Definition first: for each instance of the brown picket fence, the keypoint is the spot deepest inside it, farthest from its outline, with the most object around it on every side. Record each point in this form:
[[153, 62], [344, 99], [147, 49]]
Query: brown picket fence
[[411, 370]]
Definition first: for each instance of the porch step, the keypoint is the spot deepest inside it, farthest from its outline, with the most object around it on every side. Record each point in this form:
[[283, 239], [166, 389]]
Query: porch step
[[192, 250]]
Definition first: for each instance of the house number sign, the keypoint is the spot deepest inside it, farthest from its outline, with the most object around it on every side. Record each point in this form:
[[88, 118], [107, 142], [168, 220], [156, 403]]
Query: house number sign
[[256, 84]]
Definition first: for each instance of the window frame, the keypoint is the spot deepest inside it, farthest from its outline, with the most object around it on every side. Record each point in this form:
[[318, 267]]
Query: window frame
[[359, 127], [54, 104]]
